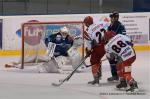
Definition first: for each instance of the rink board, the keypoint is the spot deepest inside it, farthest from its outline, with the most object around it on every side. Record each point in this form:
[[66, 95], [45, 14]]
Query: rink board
[[18, 52]]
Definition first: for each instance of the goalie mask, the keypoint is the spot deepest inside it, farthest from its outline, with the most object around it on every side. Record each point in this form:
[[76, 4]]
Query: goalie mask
[[64, 31]]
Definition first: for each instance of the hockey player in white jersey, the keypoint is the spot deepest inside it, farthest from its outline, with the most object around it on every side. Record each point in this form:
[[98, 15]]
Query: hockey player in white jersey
[[120, 47], [94, 46]]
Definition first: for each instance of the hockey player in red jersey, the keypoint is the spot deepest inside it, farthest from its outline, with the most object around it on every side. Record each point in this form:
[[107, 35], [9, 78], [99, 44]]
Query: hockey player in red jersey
[[120, 47], [94, 46]]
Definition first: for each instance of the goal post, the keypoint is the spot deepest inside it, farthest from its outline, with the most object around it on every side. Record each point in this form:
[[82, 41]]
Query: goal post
[[35, 33]]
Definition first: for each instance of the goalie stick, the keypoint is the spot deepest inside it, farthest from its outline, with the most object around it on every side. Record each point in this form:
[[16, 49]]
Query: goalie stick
[[70, 75]]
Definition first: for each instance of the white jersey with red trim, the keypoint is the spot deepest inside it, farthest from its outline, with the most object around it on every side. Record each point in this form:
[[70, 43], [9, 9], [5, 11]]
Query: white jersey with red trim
[[93, 29], [118, 45]]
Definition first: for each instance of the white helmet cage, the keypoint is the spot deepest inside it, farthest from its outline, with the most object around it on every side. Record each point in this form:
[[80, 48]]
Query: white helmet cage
[[64, 30]]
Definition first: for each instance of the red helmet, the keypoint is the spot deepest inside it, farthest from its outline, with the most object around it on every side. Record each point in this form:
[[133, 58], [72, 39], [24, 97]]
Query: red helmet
[[88, 20]]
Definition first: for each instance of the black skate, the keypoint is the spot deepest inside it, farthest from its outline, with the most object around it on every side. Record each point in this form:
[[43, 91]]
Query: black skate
[[122, 85], [113, 79], [96, 80], [133, 87]]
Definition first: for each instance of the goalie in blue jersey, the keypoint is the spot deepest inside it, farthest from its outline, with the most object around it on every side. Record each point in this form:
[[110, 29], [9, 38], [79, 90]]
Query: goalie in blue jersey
[[62, 40]]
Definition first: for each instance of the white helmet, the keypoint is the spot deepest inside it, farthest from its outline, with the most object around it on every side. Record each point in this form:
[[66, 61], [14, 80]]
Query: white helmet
[[64, 30]]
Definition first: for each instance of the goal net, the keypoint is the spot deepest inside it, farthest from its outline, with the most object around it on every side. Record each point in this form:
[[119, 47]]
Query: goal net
[[33, 39]]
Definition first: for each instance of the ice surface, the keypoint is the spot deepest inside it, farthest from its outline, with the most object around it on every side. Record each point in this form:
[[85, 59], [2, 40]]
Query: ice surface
[[29, 84]]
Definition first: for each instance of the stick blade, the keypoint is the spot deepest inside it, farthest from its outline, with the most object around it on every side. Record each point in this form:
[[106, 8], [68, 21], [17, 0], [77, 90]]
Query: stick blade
[[56, 84]]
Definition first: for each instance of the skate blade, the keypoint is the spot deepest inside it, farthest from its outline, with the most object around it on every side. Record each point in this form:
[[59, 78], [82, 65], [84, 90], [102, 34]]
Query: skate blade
[[95, 85], [115, 81], [135, 90], [122, 89]]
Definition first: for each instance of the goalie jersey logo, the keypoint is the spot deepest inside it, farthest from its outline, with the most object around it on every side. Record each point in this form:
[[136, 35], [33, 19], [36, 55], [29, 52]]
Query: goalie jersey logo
[[118, 46]]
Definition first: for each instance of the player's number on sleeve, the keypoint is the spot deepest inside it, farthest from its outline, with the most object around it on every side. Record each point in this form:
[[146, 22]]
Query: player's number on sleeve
[[116, 48]]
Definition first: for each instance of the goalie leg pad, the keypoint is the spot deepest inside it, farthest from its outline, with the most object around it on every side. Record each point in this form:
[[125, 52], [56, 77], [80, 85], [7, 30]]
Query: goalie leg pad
[[49, 67]]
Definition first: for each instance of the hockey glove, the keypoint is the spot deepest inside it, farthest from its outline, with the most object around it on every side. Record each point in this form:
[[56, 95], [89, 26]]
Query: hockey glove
[[88, 52], [94, 43]]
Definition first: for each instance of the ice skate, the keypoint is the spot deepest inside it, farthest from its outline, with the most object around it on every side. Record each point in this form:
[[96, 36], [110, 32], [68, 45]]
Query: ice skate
[[95, 81], [122, 85], [113, 79], [133, 87]]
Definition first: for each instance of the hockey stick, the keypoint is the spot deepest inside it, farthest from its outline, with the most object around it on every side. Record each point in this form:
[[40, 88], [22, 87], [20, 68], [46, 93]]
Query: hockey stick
[[70, 75], [92, 64]]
